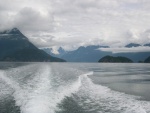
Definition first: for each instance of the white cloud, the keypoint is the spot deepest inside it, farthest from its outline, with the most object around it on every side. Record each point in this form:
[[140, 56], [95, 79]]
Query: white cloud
[[30, 19], [126, 50], [78, 22]]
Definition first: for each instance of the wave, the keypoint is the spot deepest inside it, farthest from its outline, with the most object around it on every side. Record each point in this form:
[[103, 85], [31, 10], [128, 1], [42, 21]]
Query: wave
[[39, 94], [40, 89], [97, 98], [6, 84]]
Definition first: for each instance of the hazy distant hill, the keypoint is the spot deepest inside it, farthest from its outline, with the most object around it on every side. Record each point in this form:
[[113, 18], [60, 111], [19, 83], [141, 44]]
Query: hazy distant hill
[[60, 53], [14, 46], [112, 59], [132, 45], [147, 60], [147, 44], [93, 54], [82, 54], [135, 56], [85, 54]]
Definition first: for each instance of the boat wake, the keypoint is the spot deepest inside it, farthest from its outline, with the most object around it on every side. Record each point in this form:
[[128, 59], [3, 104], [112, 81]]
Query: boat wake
[[94, 98], [40, 94], [43, 89]]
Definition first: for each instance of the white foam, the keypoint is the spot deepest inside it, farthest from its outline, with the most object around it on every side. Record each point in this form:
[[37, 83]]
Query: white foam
[[7, 82], [104, 99], [11, 83], [39, 94], [87, 74]]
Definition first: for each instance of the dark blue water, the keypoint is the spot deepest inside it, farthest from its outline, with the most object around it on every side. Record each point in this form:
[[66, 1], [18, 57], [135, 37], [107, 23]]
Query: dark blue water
[[74, 88]]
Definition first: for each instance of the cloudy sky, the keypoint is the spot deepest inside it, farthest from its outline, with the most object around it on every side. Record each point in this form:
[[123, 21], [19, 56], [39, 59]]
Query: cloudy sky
[[72, 23]]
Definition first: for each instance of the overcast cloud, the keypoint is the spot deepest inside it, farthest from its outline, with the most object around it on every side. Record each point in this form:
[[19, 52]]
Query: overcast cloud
[[72, 23], [126, 50]]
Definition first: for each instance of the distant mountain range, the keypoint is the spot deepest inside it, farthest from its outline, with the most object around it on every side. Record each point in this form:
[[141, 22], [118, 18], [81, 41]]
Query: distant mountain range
[[14, 46], [82, 54], [92, 53], [147, 44], [132, 45], [61, 52], [136, 45]]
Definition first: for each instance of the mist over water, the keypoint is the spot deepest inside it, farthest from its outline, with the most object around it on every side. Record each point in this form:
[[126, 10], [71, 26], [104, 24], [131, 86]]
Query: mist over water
[[72, 88]]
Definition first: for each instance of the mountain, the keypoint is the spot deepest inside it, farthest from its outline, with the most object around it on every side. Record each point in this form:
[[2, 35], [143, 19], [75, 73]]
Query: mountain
[[112, 59], [60, 51], [85, 54], [14, 46], [132, 45], [147, 60], [93, 54], [135, 56], [148, 44]]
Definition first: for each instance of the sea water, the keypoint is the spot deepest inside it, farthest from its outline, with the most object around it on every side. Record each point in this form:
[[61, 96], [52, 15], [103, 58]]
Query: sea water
[[74, 88]]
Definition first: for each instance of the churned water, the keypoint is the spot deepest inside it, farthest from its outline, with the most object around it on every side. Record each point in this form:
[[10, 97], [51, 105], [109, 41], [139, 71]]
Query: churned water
[[74, 88]]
